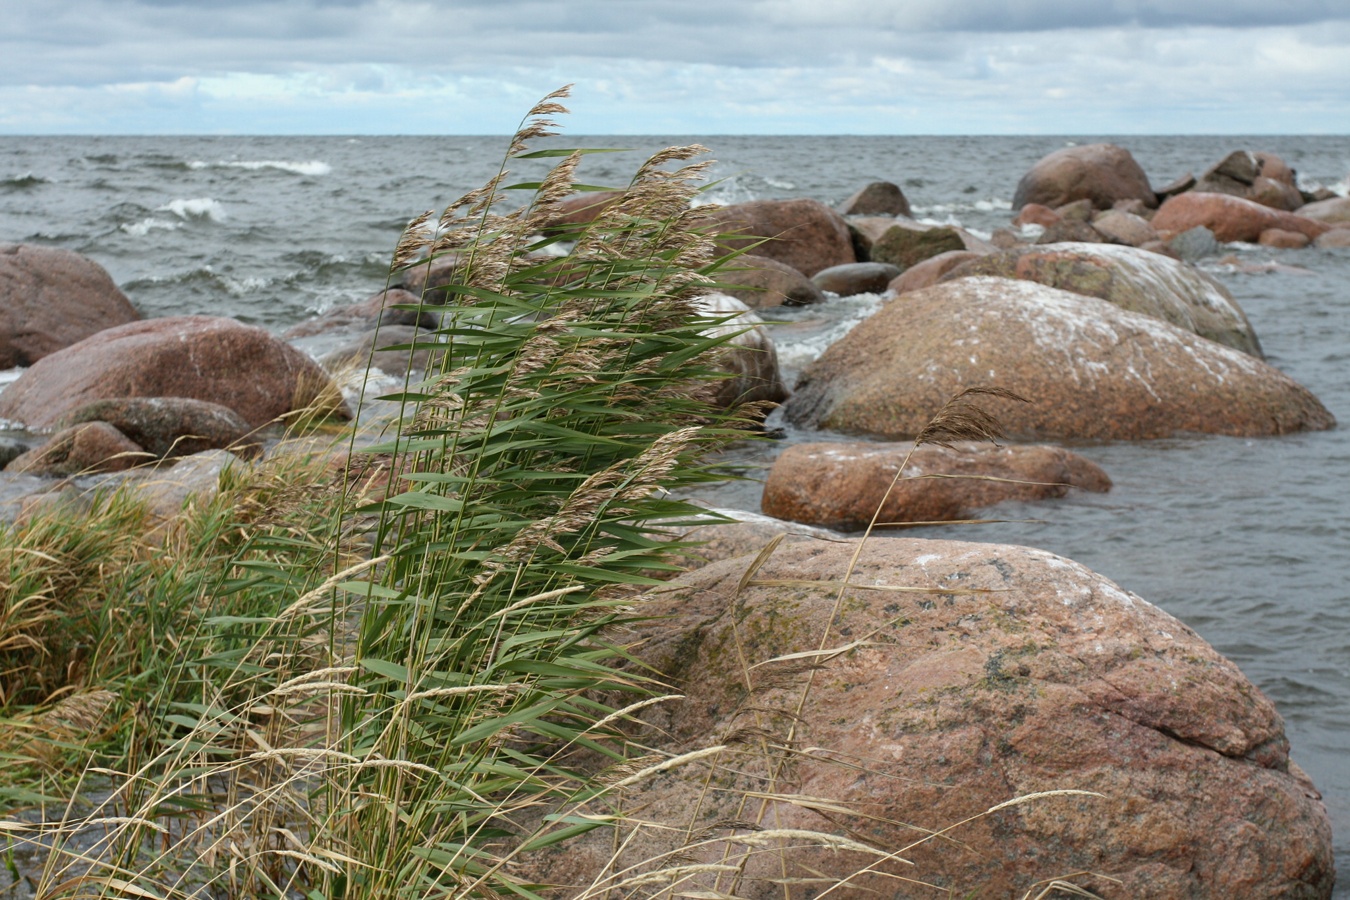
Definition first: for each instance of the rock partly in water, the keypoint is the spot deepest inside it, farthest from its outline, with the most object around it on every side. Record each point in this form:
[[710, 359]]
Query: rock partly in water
[[1193, 243], [1071, 231], [51, 298], [379, 309], [1121, 227], [1090, 369], [394, 349], [1263, 178], [206, 358], [804, 234], [1229, 218], [856, 278], [880, 198], [82, 449], [750, 358], [1337, 237], [1101, 173], [1132, 279], [761, 283], [841, 486], [1333, 211], [955, 678], [1283, 240], [170, 426]]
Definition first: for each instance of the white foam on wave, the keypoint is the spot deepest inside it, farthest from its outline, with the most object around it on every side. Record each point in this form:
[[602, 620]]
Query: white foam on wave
[[311, 167], [992, 204], [195, 208], [145, 226], [798, 347]]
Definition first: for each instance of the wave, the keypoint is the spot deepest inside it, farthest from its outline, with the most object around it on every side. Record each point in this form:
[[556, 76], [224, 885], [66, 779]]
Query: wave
[[235, 287], [145, 226], [311, 167], [993, 204], [195, 208], [26, 180]]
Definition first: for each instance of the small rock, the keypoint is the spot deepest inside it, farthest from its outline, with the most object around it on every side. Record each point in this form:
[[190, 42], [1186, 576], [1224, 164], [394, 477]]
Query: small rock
[[86, 448], [170, 426], [1283, 240], [1071, 231], [1337, 237], [880, 198], [1193, 243], [856, 278], [1036, 214], [1121, 227], [904, 247], [1333, 211], [930, 271], [762, 283]]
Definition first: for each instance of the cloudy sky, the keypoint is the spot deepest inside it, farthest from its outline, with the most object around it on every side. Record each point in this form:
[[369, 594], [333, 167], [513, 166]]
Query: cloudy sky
[[676, 66]]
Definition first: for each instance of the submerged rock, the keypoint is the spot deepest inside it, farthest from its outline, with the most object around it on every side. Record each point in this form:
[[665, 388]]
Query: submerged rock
[[206, 358], [1091, 370], [1101, 173], [841, 486], [80, 449], [955, 678], [1132, 279], [51, 298]]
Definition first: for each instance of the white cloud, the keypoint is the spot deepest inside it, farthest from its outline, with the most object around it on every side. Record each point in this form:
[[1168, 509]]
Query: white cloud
[[677, 66]]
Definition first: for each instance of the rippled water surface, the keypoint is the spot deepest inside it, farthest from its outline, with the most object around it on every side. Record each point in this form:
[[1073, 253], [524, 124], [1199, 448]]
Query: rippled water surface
[[1248, 541]]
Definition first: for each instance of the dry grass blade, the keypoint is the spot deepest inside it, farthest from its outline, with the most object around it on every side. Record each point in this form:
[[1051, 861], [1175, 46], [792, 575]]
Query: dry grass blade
[[961, 419]]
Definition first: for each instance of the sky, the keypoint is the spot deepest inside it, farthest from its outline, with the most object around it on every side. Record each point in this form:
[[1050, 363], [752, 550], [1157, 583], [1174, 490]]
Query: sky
[[676, 66]]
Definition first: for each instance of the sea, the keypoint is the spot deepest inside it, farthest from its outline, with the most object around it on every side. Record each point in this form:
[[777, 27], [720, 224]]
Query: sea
[[1247, 540]]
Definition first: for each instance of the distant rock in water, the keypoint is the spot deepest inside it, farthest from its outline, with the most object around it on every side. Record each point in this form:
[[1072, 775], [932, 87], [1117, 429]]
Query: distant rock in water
[[1230, 218], [880, 198], [218, 360], [51, 298], [1092, 370], [1101, 173]]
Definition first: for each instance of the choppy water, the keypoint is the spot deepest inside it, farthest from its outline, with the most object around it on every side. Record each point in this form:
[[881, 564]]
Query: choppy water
[[1248, 541]]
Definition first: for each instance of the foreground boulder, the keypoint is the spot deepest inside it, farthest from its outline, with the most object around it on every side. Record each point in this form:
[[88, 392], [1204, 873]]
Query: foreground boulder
[[1132, 279], [749, 359], [955, 678], [199, 357], [1229, 218], [760, 283], [1091, 370], [841, 486], [52, 298], [1101, 173], [804, 234]]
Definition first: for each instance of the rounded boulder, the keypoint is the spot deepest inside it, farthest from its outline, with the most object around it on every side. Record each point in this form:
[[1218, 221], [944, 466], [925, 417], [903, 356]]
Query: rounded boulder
[[842, 485], [804, 234], [206, 358], [51, 298], [1101, 173], [1058, 726], [1230, 218], [1090, 369], [760, 283], [1133, 279]]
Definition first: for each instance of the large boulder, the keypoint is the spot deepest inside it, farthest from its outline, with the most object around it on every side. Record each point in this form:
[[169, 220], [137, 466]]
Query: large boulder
[[580, 209], [1102, 173], [1230, 218], [52, 298], [842, 485], [749, 359], [880, 198], [199, 357], [855, 723], [1091, 370], [170, 426], [805, 234], [1132, 279], [760, 283]]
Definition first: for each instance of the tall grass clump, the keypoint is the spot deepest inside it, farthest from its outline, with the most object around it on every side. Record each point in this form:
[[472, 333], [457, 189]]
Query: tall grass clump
[[391, 723]]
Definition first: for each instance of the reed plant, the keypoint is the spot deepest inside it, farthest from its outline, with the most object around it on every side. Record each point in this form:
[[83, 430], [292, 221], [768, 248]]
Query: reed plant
[[404, 683]]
